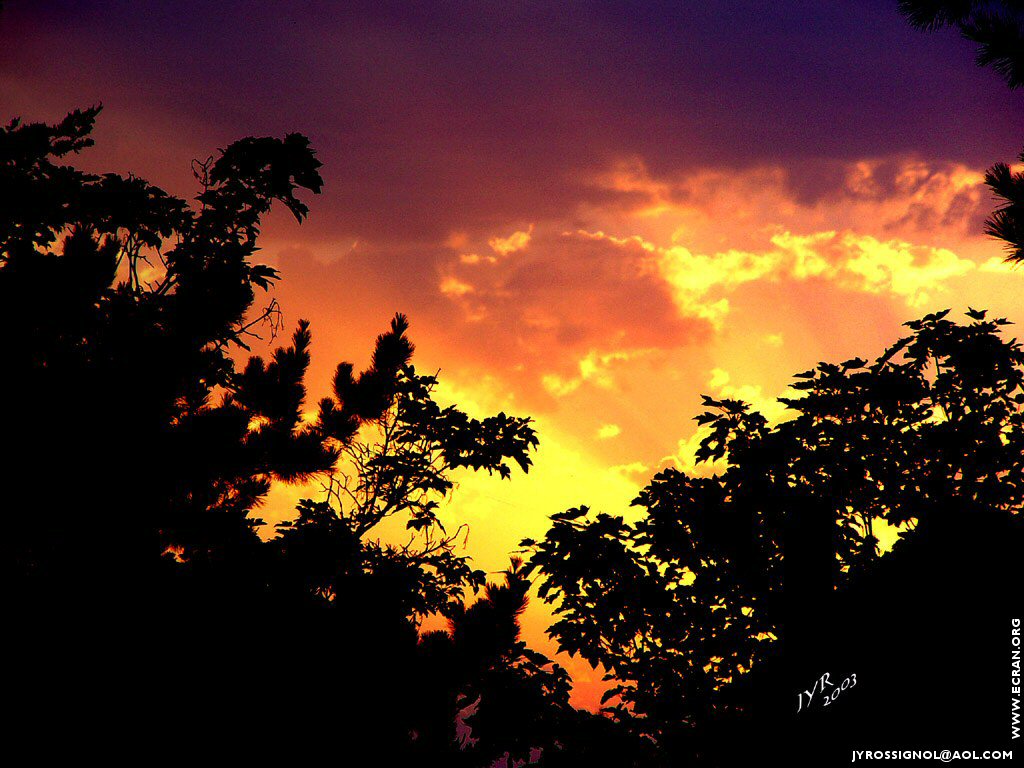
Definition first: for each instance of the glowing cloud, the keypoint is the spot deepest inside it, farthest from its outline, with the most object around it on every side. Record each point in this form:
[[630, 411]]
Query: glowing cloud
[[861, 262], [517, 241], [452, 286]]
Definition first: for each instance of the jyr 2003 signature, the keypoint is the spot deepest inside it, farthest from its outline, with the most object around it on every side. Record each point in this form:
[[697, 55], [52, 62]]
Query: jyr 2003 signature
[[822, 686]]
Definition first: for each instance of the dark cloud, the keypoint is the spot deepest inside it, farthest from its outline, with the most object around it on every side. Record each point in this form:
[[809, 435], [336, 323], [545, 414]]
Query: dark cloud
[[447, 115]]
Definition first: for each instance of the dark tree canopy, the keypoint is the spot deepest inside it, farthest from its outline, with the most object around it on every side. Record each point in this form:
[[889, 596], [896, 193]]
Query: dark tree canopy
[[144, 442], [720, 571], [728, 589], [124, 307], [399, 466]]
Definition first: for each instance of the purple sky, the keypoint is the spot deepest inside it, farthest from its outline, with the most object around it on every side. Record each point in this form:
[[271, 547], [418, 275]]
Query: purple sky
[[431, 116]]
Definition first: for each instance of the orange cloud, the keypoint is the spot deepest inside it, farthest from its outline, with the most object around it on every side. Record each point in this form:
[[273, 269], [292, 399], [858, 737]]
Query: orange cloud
[[861, 262], [902, 197], [517, 241]]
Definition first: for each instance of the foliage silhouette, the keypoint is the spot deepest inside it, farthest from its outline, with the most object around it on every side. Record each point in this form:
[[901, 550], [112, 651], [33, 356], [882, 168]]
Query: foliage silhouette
[[996, 26], [143, 445], [400, 466], [124, 306], [998, 29], [1007, 222], [726, 575]]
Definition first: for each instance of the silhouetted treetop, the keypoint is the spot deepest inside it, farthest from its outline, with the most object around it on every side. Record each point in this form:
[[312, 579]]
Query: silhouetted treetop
[[1007, 222], [675, 605], [997, 26], [998, 29], [125, 306], [399, 465], [144, 443]]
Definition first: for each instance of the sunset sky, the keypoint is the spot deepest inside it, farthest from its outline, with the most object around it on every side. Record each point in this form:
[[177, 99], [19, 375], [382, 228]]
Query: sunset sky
[[591, 213]]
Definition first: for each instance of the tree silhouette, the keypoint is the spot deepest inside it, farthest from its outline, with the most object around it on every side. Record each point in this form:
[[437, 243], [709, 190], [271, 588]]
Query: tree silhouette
[[997, 27], [124, 305], [508, 698], [143, 443], [731, 589], [403, 469], [510, 702], [722, 573], [1007, 222], [369, 595]]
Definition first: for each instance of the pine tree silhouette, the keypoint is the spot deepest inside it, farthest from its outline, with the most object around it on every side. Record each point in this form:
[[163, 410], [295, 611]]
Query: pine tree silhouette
[[139, 596]]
